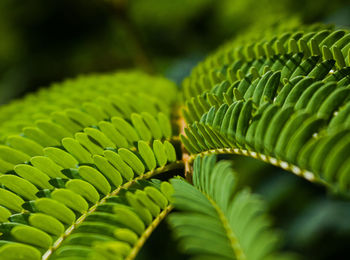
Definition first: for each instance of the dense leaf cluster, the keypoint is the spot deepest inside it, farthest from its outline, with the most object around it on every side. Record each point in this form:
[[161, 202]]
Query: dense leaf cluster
[[76, 158], [72, 163], [283, 100]]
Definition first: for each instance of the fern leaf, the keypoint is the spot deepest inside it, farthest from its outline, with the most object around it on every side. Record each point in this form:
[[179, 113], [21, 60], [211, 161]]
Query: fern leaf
[[74, 104], [74, 175], [216, 220], [276, 105], [257, 49]]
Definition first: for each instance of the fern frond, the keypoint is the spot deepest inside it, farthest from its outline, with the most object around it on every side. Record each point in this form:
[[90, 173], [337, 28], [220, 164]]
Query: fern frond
[[265, 51], [216, 220], [117, 226], [252, 43], [77, 103], [119, 221], [72, 166], [280, 107]]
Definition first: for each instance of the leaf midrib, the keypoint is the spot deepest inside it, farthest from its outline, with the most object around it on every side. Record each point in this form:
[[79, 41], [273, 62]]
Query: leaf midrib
[[145, 235], [234, 242], [305, 174]]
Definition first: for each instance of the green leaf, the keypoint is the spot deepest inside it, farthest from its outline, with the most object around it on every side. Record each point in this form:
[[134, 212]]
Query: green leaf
[[159, 152], [33, 175], [47, 166], [95, 178], [108, 170], [16, 251], [46, 223], [32, 236], [115, 159], [55, 209], [10, 200], [132, 160], [4, 214], [217, 220], [61, 157], [147, 155], [84, 189], [19, 186], [70, 199]]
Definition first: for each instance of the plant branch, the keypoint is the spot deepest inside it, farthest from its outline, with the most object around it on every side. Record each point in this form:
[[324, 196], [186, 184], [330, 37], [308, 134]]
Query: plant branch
[[185, 155]]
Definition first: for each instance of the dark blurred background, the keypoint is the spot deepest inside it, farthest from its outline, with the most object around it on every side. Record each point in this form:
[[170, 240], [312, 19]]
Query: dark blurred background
[[46, 41]]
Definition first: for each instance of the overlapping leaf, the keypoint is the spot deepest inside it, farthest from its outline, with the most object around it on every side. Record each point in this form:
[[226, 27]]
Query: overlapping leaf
[[217, 221], [63, 177], [98, 97], [286, 104], [261, 49]]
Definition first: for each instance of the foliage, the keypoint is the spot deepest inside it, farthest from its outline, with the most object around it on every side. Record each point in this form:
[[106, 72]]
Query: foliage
[[220, 221], [80, 160], [282, 100], [90, 167]]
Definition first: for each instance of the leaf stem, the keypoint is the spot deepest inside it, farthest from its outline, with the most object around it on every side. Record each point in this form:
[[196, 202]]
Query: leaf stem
[[308, 175], [181, 123], [138, 245], [236, 247]]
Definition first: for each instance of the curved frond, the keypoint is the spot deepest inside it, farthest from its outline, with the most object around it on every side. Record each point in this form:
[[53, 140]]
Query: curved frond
[[281, 105], [118, 226], [259, 49], [217, 221], [86, 100], [63, 176]]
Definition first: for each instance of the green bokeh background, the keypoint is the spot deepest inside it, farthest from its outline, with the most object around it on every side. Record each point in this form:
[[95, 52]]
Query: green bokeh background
[[46, 41]]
